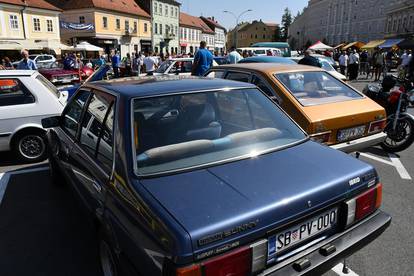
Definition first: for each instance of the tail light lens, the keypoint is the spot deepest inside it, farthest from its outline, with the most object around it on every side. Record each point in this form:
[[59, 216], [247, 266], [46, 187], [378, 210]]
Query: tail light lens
[[321, 137], [364, 204], [240, 262], [377, 126]]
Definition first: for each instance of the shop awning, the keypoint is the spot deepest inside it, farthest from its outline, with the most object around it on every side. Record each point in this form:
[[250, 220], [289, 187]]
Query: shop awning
[[372, 44], [10, 45], [339, 46], [355, 44], [406, 44], [389, 43], [319, 46], [85, 46]]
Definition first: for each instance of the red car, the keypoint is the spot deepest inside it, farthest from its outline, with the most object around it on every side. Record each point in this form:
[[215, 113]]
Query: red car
[[57, 75]]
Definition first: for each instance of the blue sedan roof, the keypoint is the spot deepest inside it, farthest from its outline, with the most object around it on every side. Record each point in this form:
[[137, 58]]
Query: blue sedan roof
[[267, 59], [151, 86]]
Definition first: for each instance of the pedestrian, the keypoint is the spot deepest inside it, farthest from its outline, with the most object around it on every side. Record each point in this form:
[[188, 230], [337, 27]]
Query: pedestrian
[[128, 65], [137, 63], [26, 63], [203, 60], [364, 65], [101, 61], [234, 56], [378, 60], [150, 63], [343, 62], [116, 63], [310, 60], [405, 61], [353, 65], [7, 63]]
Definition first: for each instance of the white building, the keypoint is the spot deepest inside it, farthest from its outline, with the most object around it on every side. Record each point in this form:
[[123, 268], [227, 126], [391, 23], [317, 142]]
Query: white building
[[220, 34], [190, 33], [339, 21]]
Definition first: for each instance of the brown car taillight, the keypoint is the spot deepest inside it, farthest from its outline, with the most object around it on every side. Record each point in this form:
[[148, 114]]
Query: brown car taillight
[[377, 126], [240, 262], [321, 137], [364, 204]]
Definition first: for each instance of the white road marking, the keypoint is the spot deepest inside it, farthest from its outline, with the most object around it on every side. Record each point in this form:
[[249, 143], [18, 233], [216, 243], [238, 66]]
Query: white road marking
[[373, 157], [5, 177], [395, 162], [400, 167], [338, 270]]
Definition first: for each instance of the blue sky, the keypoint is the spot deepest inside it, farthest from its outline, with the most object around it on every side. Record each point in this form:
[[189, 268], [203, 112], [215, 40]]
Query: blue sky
[[267, 10]]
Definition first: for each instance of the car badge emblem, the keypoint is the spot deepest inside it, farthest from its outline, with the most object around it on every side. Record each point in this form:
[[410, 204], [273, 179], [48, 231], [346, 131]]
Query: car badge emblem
[[354, 181], [309, 203]]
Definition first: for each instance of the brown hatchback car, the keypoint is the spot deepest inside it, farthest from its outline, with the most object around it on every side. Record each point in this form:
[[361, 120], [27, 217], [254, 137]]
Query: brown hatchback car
[[329, 110]]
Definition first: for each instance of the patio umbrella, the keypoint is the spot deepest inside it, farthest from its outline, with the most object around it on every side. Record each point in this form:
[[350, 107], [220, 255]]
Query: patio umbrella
[[355, 44], [319, 46], [86, 46]]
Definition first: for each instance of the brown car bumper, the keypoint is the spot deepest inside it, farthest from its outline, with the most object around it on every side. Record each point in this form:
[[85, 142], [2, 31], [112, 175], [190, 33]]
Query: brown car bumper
[[346, 243], [361, 143]]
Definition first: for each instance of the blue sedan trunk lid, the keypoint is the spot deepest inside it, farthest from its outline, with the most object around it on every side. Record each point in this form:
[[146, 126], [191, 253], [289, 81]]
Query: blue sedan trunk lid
[[267, 191]]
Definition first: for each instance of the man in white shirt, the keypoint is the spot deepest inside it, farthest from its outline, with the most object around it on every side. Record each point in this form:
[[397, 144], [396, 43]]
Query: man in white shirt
[[150, 63], [343, 62], [406, 58], [234, 56], [353, 65]]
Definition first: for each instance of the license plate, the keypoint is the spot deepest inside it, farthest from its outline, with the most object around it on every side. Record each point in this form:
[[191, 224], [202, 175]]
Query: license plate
[[301, 232], [349, 133]]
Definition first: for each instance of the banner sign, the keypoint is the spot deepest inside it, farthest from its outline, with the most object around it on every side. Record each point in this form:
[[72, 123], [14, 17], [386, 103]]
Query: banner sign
[[76, 26]]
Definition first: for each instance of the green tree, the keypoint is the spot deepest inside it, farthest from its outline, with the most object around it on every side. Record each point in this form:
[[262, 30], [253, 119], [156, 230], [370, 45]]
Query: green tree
[[286, 22], [278, 33], [293, 43]]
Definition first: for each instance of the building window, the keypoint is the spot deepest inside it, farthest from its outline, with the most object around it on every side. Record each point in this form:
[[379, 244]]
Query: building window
[[136, 27], [166, 10], [49, 25], [176, 12], [160, 9], [160, 29], [36, 24], [155, 8], [118, 24], [185, 34], [145, 28], [126, 25], [81, 19], [176, 30], [14, 23], [105, 22], [156, 28], [172, 11]]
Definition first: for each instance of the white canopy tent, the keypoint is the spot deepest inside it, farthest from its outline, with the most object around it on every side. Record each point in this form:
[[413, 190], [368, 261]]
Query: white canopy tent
[[86, 46], [319, 46]]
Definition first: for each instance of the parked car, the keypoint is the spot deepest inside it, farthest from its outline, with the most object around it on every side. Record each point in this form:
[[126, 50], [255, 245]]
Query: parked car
[[177, 66], [41, 60], [104, 72], [262, 51], [209, 177], [283, 46], [331, 111], [267, 59], [58, 76], [26, 97], [326, 66]]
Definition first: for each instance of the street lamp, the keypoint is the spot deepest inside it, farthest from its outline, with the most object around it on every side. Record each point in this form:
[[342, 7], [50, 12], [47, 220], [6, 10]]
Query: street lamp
[[237, 22]]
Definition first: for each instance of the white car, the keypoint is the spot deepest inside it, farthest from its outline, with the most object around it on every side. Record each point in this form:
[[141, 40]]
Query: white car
[[40, 60], [177, 66], [261, 51], [326, 66], [26, 97]]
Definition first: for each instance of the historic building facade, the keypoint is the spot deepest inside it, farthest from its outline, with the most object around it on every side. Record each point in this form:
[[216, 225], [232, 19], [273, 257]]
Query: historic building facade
[[400, 20], [165, 24], [33, 26], [107, 24], [337, 21], [219, 33], [250, 33], [190, 33]]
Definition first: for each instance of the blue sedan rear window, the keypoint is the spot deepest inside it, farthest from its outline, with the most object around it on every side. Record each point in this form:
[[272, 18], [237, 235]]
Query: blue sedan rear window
[[178, 132]]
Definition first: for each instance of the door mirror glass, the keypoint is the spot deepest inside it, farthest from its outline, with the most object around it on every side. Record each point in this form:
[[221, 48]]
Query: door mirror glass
[[51, 122]]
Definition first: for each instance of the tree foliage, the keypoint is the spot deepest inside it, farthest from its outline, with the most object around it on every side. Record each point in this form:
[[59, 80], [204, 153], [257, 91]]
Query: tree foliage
[[286, 22]]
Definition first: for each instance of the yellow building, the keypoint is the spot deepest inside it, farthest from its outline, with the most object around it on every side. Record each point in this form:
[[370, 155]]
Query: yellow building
[[120, 25], [250, 33], [32, 25]]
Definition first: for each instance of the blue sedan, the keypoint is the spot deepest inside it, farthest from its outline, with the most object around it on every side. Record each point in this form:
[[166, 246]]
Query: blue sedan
[[209, 177]]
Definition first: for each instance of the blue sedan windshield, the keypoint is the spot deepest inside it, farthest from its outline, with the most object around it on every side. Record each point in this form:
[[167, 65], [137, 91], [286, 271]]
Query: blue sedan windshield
[[177, 132]]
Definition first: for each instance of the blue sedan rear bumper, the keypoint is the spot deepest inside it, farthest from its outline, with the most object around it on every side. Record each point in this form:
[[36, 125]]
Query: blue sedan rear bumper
[[345, 243]]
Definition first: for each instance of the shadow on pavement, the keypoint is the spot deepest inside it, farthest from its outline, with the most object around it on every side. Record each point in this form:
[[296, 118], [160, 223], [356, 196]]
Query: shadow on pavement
[[8, 159], [43, 231], [379, 152]]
